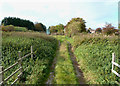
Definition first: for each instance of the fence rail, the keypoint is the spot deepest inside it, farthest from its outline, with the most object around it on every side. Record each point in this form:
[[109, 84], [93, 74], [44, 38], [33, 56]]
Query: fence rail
[[2, 70], [114, 64]]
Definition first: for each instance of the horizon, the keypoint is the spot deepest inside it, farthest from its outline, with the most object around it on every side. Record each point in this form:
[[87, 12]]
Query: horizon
[[51, 13]]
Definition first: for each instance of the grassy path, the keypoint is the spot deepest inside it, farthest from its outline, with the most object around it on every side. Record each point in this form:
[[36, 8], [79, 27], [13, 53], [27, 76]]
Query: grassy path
[[64, 70]]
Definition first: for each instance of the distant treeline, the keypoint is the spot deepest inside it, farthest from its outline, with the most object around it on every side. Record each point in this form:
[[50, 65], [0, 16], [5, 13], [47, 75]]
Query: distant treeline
[[23, 23], [18, 22]]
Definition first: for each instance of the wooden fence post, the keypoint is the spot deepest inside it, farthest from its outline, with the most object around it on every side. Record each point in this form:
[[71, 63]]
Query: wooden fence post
[[113, 60], [20, 61], [1, 76], [31, 52]]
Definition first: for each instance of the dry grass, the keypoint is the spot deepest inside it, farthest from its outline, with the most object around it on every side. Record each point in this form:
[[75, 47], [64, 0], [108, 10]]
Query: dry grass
[[29, 34], [80, 38]]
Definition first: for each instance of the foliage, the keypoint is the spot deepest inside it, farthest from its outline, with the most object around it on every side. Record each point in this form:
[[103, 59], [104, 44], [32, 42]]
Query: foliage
[[119, 26], [57, 29], [108, 29], [40, 27], [94, 55], [98, 30], [53, 29], [20, 29], [8, 28], [18, 22], [93, 39], [60, 28], [44, 49], [76, 25]]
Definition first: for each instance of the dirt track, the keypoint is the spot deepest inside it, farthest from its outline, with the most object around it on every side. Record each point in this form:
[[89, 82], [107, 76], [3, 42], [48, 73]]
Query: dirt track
[[78, 72]]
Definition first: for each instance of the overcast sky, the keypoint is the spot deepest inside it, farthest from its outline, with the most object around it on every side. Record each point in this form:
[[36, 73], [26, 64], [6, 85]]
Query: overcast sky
[[54, 12]]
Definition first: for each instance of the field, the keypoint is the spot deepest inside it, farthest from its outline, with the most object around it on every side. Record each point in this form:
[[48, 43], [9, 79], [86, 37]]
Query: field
[[44, 49], [94, 55]]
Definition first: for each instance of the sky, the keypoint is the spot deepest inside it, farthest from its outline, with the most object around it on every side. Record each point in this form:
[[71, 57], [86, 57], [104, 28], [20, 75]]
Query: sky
[[53, 12]]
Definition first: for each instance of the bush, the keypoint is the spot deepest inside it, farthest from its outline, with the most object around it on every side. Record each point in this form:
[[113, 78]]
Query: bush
[[8, 28], [20, 29]]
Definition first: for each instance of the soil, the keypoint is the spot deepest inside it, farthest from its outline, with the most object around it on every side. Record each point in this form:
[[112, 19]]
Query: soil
[[78, 71]]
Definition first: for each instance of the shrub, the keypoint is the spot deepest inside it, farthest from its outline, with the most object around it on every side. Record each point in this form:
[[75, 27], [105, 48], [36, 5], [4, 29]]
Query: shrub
[[8, 28], [20, 29]]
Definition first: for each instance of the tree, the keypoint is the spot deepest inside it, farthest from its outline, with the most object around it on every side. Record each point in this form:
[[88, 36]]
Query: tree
[[40, 27], [53, 29], [60, 28], [108, 29], [98, 30], [76, 25], [18, 22], [57, 29]]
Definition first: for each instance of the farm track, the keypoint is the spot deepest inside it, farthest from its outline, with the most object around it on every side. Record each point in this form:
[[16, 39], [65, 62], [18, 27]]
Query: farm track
[[78, 72], [52, 68]]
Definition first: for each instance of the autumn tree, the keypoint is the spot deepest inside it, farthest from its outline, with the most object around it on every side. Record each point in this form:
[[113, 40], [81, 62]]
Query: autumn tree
[[108, 29], [98, 30]]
